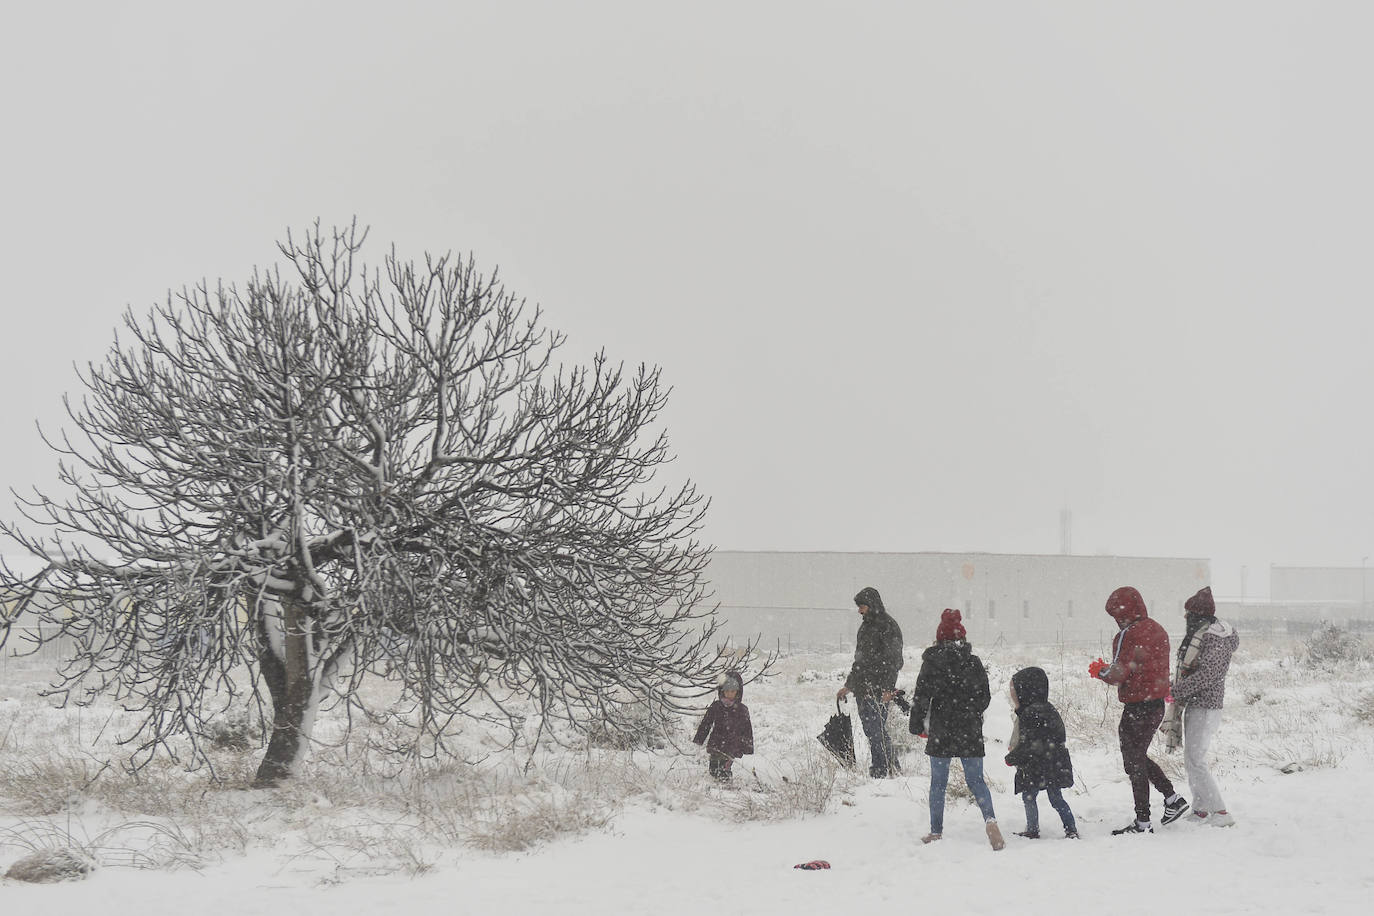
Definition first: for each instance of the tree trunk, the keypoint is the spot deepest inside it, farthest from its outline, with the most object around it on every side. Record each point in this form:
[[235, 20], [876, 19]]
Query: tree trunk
[[291, 687]]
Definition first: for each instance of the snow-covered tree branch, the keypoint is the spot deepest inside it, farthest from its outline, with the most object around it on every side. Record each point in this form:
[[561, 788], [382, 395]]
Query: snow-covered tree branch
[[336, 470]]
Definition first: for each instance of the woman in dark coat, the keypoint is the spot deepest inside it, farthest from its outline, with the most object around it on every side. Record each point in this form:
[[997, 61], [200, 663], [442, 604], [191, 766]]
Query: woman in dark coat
[[950, 697], [1038, 751]]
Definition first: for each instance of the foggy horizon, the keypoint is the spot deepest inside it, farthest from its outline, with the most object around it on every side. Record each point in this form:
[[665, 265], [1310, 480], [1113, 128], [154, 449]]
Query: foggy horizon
[[920, 277]]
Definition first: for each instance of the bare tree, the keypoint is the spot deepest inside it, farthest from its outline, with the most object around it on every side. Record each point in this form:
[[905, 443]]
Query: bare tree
[[336, 470]]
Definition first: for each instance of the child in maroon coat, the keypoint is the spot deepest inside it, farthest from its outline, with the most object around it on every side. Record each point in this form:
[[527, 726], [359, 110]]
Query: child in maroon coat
[[725, 729]]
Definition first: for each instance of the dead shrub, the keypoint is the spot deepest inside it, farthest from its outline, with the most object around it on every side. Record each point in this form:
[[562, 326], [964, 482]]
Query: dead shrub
[[805, 791], [234, 729], [1364, 707], [512, 824], [1330, 644], [48, 866]]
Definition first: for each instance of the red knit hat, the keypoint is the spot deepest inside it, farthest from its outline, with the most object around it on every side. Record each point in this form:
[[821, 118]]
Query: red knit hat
[[1201, 604], [950, 627]]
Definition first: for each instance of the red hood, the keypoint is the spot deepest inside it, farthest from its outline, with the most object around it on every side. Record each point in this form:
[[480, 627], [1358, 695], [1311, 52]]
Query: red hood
[[1126, 606]]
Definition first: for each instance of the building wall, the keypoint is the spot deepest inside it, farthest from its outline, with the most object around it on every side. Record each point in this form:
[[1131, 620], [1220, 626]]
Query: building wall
[[1321, 583], [806, 599], [1293, 618]]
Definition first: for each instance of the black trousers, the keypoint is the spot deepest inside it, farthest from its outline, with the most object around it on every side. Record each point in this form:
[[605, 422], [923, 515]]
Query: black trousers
[[1139, 722]]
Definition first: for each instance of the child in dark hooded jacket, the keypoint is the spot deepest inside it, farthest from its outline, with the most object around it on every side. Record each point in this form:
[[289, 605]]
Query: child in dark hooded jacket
[[725, 729], [1038, 751]]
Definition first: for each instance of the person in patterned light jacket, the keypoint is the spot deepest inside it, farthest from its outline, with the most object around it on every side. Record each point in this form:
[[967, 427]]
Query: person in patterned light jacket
[[1199, 687]]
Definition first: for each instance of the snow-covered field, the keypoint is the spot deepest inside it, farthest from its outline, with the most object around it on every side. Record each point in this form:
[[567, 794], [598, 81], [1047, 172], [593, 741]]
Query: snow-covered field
[[601, 831]]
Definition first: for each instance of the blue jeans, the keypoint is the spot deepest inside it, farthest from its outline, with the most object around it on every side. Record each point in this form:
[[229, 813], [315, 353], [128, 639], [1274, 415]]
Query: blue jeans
[[873, 717], [1056, 800], [939, 780]]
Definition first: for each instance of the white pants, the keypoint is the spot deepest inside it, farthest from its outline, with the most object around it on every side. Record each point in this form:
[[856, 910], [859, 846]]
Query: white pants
[[1199, 728]]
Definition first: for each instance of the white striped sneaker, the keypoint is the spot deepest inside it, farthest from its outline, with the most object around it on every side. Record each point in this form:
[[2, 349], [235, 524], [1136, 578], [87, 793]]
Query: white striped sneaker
[[1174, 811]]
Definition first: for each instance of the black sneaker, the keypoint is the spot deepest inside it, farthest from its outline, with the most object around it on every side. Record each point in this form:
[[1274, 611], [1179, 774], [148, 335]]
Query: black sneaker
[[1174, 811], [1029, 834], [1070, 833], [1134, 827]]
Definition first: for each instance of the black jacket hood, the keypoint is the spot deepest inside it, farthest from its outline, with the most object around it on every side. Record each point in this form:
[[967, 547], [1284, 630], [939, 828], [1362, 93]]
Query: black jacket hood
[[869, 597], [1032, 685]]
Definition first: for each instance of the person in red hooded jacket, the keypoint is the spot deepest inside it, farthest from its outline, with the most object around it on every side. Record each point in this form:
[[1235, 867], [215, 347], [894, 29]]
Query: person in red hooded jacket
[[1140, 671]]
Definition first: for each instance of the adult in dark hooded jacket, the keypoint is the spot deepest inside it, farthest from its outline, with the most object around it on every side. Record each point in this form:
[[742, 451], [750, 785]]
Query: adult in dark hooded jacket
[[1039, 751], [947, 709], [725, 729], [873, 677], [1140, 670]]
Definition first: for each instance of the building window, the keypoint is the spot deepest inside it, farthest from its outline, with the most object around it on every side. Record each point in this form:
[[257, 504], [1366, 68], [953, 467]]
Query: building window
[[992, 608], [1025, 609]]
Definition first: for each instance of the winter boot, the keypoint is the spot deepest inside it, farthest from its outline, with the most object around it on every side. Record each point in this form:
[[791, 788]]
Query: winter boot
[[1070, 833], [930, 838], [1029, 834], [994, 835], [1173, 810], [1134, 827]]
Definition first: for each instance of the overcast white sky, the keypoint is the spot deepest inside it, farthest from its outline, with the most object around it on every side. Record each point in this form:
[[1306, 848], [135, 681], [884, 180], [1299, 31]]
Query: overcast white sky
[[921, 274]]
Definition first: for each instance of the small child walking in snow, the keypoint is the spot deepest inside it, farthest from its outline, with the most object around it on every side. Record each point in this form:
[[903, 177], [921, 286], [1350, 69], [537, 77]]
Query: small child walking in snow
[[725, 729], [1037, 749]]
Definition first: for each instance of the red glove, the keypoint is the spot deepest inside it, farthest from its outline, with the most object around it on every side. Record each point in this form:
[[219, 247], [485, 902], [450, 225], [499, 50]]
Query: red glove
[[1095, 669]]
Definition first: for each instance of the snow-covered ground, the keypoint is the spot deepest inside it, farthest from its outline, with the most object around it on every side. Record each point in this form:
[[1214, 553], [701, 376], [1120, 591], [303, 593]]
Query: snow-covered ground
[[597, 831]]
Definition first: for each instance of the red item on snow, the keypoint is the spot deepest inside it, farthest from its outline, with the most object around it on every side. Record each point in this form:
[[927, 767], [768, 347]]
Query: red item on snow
[[813, 865]]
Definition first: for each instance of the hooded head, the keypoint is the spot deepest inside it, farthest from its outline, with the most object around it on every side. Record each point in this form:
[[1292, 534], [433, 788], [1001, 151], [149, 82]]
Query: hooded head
[[868, 597], [1126, 606], [950, 627], [1030, 685], [732, 680]]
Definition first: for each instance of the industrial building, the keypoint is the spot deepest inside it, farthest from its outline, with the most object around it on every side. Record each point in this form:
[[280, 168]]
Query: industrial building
[[1302, 597], [805, 599]]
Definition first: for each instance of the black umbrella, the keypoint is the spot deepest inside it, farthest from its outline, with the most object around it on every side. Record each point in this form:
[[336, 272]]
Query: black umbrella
[[838, 736]]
